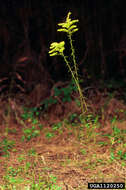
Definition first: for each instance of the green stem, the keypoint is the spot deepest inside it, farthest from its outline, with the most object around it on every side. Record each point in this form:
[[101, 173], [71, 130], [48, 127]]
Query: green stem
[[78, 86], [73, 55], [76, 74]]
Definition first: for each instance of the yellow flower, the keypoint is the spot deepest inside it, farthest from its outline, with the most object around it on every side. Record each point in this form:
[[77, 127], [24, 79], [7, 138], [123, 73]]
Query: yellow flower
[[57, 48], [68, 26]]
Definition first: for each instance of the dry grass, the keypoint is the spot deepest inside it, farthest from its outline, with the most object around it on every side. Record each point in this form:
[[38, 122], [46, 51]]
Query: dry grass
[[73, 155]]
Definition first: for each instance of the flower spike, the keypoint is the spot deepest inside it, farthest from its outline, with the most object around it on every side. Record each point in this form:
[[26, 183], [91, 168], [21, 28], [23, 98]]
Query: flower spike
[[68, 26]]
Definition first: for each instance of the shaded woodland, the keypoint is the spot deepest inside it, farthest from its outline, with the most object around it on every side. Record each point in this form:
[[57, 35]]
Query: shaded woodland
[[28, 27]]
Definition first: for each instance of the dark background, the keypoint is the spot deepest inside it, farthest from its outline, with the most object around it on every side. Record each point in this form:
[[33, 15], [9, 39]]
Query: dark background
[[28, 27]]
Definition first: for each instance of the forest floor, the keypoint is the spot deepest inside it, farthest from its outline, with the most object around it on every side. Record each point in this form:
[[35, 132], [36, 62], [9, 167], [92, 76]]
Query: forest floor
[[52, 152]]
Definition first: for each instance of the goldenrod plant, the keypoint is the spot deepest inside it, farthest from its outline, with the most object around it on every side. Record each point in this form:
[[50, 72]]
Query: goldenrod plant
[[70, 27]]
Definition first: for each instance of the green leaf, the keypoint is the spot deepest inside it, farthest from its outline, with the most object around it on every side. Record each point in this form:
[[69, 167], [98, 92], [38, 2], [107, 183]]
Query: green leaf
[[112, 156], [124, 156], [35, 133], [35, 121], [37, 113], [57, 92], [67, 99], [49, 135], [119, 152], [27, 131]]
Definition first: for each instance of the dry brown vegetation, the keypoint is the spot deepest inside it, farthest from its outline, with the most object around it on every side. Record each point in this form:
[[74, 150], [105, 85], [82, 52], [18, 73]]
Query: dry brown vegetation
[[73, 154]]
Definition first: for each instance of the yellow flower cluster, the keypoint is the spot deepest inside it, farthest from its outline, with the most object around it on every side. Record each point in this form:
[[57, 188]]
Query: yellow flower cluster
[[68, 26], [57, 48]]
